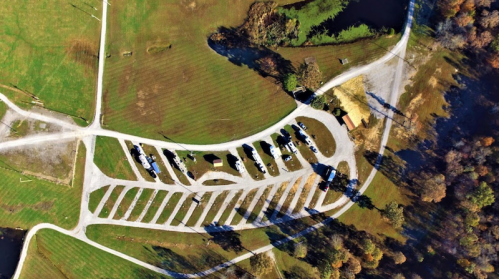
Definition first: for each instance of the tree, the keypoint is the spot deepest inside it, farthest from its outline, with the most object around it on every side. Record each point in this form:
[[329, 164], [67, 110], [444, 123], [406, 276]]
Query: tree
[[353, 265], [377, 254], [290, 82], [482, 196], [268, 66], [449, 8], [310, 75], [482, 40], [368, 246], [463, 19], [394, 213], [318, 102], [398, 276], [391, 31], [432, 186], [300, 250], [261, 264], [487, 141], [493, 60], [489, 19], [399, 258], [336, 241]]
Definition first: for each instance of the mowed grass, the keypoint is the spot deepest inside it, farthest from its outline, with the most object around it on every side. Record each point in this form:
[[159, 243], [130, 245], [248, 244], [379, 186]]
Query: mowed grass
[[95, 198], [109, 204], [229, 208], [328, 56], [319, 134], [182, 252], [141, 204], [300, 204], [3, 109], [125, 203], [302, 147], [110, 159], [275, 200], [25, 204], [49, 49], [169, 207], [143, 172], [215, 182], [55, 255], [268, 160], [217, 204], [165, 175], [204, 162], [199, 209], [187, 93], [182, 211], [289, 198], [259, 205], [158, 199], [243, 207], [293, 164], [315, 197], [249, 164], [381, 192]]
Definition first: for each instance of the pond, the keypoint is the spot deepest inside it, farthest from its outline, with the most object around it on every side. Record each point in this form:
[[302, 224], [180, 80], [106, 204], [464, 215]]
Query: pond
[[11, 242], [374, 13]]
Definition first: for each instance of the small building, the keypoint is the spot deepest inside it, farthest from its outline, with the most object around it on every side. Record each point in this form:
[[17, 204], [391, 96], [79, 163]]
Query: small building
[[218, 163], [348, 122]]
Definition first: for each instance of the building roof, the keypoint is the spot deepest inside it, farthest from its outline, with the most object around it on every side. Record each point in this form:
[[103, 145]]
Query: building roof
[[348, 122], [217, 161]]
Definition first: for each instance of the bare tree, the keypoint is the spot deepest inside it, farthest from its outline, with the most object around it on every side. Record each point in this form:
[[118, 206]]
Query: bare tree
[[489, 19]]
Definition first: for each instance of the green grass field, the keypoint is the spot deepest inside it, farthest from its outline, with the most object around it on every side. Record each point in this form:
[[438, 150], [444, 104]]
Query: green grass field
[[108, 206], [25, 204], [95, 198], [259, 205], [204, 163], [125, 203], [266, 158], [229, 208], [182, 211], [160, 196], [111, 160], [187, 92], [141, 204], [57, 256], [199, 209], [183, 252], [169, 207], [3, 109], [49, 49], [217, 204], [320, 135], [243, 207]]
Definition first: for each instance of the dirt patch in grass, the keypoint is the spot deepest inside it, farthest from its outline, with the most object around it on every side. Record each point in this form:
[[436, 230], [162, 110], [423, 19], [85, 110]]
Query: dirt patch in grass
[[182, 211], [125, 203], [144, 198], [169, 207], [217, 204], [304, 193], [199, 209], [229, 208], [108, 206], [216, 182], [51, 161], [320, 134], [96, 197], [85, 53], [153, 208]]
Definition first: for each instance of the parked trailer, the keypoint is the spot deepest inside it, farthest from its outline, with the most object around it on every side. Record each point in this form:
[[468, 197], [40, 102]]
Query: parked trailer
[[272, 151]]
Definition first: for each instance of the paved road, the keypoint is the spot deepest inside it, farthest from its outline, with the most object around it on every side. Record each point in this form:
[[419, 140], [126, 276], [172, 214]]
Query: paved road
[[88, 136]]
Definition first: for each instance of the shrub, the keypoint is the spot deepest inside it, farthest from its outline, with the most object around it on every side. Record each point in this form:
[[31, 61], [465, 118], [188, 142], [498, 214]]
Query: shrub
[[290, 82], [391, 31], [318, 102]]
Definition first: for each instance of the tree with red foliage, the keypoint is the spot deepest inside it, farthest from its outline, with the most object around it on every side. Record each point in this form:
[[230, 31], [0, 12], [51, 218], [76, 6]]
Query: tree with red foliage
[[494, 60]]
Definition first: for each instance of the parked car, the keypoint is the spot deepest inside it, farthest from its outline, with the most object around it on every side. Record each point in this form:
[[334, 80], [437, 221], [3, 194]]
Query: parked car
[[313, 149], [302, 125], [287, 158]]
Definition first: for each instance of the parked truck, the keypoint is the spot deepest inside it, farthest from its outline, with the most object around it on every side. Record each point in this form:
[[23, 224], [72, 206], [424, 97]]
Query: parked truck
[[330, 174], [272, 151]]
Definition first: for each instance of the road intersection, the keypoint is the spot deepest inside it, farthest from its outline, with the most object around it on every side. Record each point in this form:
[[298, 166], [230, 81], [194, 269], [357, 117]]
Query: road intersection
[[95, 179]]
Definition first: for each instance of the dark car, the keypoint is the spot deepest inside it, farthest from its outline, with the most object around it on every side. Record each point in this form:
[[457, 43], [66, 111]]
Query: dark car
[[287, 158]]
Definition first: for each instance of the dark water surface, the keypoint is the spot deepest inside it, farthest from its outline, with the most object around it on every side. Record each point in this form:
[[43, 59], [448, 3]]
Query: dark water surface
[[374, 13], [11, 242]]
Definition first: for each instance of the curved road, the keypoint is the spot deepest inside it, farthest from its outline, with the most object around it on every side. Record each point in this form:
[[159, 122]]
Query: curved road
[[95, 129]]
